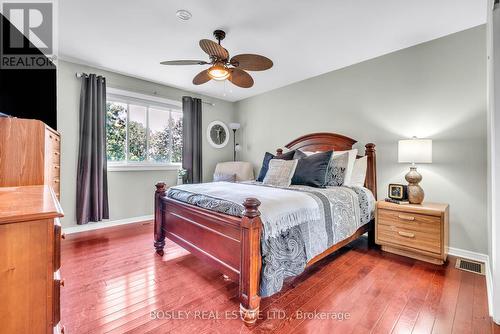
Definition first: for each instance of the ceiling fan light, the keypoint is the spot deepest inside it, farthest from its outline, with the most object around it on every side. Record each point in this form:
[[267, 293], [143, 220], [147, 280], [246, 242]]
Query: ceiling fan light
[[218, 72]]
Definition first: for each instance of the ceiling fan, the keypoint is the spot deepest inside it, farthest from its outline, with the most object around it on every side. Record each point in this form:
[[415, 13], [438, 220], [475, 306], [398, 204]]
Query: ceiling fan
[[222, 67]]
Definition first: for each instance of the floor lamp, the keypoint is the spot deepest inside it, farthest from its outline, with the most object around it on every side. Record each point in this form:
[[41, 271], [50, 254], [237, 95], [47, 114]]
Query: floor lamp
[[234, 127]]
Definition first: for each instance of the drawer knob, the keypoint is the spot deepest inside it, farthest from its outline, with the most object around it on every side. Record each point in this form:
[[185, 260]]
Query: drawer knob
[[63, 235], [56, 153], [406, 234], [61, 282], [404, 217], [56, 180]]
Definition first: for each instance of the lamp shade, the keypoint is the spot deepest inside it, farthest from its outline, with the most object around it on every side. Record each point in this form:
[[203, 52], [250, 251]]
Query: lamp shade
[[415, 151], [234, 126]]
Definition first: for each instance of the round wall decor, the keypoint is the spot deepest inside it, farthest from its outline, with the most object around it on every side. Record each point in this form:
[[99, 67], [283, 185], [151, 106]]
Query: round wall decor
[[217, 134]]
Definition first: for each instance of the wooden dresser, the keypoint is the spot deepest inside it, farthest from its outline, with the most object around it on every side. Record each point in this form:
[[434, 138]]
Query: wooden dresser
[[30, 257], [417, 231], [30, 154]]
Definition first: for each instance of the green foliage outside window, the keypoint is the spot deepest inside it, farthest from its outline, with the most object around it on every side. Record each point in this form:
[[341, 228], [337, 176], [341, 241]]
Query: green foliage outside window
[[164, 146], [116, 131]]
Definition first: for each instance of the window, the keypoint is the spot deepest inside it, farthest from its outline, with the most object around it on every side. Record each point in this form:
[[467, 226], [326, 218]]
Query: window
[[142, 132]]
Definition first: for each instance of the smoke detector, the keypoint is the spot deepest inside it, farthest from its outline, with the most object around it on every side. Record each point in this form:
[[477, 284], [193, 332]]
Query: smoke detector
[[183, 15]]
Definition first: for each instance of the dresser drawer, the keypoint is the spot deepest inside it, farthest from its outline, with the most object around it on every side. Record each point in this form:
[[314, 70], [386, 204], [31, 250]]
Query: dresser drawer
[[410, 221], [55, 157], [56, 169], [390, 234], [55, 184], [53, 139], [56, 307], [57, 244]]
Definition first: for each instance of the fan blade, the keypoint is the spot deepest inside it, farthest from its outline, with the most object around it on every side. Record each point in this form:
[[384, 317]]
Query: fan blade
[[240, 78], [201, 78], [251, 62], [214, 49], [184, 62]]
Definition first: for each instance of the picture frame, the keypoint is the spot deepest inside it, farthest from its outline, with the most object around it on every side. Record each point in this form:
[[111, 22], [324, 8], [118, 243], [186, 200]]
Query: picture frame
[[398, 191], [218, 134]]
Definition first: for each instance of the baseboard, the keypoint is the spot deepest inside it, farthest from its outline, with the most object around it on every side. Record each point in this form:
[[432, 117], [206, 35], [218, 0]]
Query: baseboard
[[480, 258], [104, 224], [468, 254], [489, 288]]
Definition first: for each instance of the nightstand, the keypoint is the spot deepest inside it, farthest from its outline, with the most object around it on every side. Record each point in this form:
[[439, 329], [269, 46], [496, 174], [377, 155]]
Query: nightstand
[[418, 231]]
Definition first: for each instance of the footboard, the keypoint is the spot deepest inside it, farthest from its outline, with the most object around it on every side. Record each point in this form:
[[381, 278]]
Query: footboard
[[230, 244]]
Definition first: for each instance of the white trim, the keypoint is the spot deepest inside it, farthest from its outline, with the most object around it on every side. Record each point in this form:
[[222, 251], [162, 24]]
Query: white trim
[[489, 289], [127, 167], [480, 258], [146, 97], [104, 224]]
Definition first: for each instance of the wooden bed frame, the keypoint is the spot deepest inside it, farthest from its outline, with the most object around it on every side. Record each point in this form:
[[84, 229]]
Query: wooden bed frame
[[232, 244]]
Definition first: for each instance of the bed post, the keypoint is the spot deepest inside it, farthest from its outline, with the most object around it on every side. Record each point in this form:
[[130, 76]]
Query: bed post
[[371, 183], [250, 261], [279, 152], [371, 170], [159, 242]]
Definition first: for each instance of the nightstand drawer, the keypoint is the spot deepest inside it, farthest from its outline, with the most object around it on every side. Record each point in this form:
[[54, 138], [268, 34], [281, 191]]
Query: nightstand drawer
[[416, 231], [429, 242], [411, 221]]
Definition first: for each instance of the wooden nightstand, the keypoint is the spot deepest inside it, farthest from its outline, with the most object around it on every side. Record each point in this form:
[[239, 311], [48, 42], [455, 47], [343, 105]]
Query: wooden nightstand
[[417, 231]]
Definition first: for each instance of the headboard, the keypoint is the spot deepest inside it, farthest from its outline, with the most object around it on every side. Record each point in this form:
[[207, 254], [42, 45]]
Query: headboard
[[324, 141]]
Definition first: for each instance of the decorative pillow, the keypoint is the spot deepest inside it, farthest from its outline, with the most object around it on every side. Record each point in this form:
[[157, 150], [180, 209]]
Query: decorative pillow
[[286, 156], [312, 170], [265, 163], [359, 172], [299, 154], [308, 153], [265, 166], [350, 164], [224, 177], [336, 170], [280, 172]]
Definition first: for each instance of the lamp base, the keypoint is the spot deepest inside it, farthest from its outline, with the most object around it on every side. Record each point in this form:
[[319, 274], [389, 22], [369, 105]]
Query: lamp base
[[415, 192]]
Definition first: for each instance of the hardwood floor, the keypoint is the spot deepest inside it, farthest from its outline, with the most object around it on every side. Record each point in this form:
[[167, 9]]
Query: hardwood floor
[[114, 281]]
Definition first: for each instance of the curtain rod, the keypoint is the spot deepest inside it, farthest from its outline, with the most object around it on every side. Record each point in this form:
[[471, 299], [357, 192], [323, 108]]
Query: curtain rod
[[85, 75]]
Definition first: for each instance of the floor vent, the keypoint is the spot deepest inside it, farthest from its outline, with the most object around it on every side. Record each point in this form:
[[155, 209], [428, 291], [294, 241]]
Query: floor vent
[[471, 266]]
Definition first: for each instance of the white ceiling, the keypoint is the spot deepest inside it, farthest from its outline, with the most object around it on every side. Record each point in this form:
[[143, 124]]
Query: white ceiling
[[303, 38]]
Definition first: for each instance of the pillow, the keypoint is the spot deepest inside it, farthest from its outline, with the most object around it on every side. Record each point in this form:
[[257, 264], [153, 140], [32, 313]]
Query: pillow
[[306, 153], [359, 172], [224, 177], [311, 170], [350, 164], [299, 154], [336, 170], [286, 156], [280, 172], [265, 163]]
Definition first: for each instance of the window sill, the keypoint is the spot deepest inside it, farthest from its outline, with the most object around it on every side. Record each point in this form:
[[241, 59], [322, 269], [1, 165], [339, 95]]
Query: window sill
[[141, 167]]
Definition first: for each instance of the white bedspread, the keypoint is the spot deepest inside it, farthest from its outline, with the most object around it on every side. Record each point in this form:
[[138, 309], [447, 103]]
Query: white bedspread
[[280, 208]]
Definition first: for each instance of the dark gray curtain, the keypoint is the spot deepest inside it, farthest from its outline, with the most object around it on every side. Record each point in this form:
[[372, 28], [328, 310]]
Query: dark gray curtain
[[192, 138], [92, 181]]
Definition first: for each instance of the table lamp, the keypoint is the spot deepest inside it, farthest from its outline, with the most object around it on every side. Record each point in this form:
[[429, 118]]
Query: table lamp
[[414, 151]]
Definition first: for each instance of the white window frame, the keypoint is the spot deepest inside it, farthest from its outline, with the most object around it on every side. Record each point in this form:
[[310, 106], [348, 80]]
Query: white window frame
[[119, 95]]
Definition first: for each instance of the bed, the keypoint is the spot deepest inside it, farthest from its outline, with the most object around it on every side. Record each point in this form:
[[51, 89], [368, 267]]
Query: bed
[[242, 244]]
